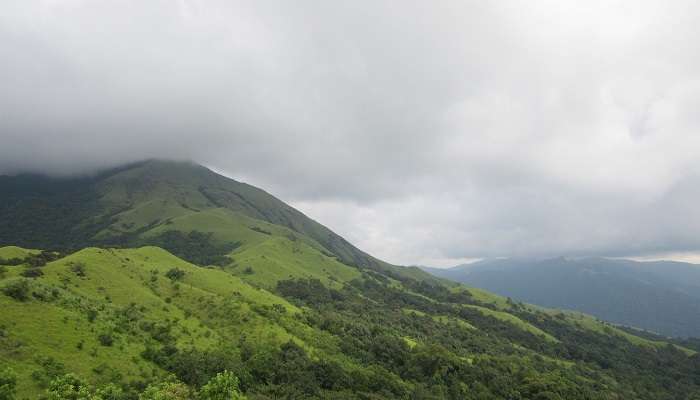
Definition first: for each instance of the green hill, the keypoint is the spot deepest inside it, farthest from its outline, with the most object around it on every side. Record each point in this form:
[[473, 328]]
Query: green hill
[[130, 201], [164, 271]]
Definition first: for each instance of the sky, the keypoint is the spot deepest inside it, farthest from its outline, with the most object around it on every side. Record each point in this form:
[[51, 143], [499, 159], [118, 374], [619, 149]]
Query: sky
[[424, 132]]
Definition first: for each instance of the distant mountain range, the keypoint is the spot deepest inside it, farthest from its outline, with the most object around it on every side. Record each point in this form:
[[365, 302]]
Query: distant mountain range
[[663, 296]]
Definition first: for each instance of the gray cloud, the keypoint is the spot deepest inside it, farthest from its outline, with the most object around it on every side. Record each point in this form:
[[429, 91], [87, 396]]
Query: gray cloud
[[423, 132]]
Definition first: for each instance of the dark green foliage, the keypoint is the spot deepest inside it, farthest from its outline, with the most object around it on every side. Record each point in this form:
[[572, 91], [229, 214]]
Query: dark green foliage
[[8, 384], [370, 333], [47, 213], [18, 290], [196, 247], [91, 314], [175, 274], [33, 260], [11, 261], [78, 268], [41, 259], [32, 272], [308, 291], [260, 230], [106, 339], [49, 369]]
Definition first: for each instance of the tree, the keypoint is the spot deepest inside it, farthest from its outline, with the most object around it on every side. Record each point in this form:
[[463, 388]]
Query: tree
[[78, 268], [175, 274], [18, 290], [8, 384], [32, 272], [109, 392], [106, 339], [69, 387], [166, 391], [224, 386]]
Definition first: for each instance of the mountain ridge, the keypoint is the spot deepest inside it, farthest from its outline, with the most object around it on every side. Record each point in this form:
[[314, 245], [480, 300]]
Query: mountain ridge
[[659, 296], [119, 203]]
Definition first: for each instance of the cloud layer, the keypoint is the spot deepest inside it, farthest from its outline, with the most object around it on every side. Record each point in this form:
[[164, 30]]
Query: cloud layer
[[424, 132]]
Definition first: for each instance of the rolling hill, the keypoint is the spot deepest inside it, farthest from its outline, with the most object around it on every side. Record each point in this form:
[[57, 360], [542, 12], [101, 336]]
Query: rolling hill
[[157, 276], [662, 297]]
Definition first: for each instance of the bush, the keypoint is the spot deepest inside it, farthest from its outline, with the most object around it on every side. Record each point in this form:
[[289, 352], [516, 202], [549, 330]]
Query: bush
[[110, 392], [91, 315], [50, 370], [32, 273], [175, 274], [68, 387], [166, 391], [8, 384], [106, 339], [224, 386], [18, 290], [78, 269]]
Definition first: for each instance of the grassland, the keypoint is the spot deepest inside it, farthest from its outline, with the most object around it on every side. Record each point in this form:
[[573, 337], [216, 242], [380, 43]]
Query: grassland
[[203, 308]]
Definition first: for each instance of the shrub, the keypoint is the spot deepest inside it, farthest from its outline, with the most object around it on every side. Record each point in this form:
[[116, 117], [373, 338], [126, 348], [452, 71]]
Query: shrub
[[50, 370], [109, 392], [166, 391], [8, 384], [91, 315], [106, 339], [78, 269], [32, 273], [68, 387], [175, 274], [18, 290], [224, 386]]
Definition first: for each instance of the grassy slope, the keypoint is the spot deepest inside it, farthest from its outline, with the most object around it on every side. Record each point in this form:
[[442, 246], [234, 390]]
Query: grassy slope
[[504, 316], [582, 320], [591, 323], [115, 279], [207, 307], [157, 196], [444, 319], [10, 252]]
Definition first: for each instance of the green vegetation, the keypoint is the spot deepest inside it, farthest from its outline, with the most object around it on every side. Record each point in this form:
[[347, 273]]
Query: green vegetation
[[244, 296], [134, 317]]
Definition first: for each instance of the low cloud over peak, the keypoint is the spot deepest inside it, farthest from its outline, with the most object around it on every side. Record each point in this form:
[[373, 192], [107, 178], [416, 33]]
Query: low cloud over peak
[[420, 131]]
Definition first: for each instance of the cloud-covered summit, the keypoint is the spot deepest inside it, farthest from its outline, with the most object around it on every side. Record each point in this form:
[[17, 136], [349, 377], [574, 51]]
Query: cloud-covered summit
[[422, 131]]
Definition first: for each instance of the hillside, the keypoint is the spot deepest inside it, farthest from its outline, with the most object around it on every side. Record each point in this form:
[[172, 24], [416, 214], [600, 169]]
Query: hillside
[[160, 202], [662, 297], [163, 273]]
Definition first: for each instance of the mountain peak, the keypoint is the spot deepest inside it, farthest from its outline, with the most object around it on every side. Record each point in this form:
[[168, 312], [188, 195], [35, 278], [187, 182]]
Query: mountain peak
[[147, 197]]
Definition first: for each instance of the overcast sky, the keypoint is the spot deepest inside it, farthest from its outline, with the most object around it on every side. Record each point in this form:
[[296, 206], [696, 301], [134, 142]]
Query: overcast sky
[[425, 132]]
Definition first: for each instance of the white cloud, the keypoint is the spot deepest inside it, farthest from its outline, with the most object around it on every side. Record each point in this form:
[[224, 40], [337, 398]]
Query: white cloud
[[423, 132]]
